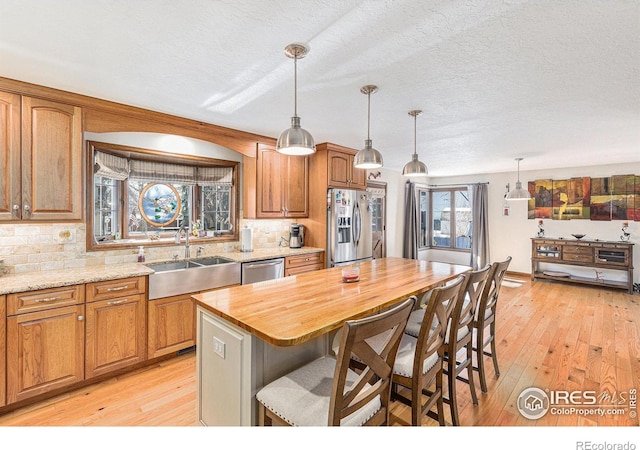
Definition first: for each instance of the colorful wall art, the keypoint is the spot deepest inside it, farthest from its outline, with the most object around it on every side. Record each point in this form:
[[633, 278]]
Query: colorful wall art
[[608, 198]]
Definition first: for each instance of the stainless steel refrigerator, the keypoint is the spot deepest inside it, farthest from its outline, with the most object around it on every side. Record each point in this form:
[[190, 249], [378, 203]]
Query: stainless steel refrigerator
[[348, 227]]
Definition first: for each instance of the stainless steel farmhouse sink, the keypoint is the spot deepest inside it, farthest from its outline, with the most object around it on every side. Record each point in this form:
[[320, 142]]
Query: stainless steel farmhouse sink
[[182, 277]]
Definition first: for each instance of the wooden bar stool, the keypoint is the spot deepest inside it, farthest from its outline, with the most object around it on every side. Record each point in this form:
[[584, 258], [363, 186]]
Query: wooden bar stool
[[419, 364], [328, 392], [458, 354], [486, 317]]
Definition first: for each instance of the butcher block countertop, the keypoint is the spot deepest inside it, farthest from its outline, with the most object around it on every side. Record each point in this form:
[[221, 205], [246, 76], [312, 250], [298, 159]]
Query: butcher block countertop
[[291, 310]]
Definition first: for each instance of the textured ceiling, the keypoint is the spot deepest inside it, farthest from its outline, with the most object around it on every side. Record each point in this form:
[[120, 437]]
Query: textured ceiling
[[554, 82]]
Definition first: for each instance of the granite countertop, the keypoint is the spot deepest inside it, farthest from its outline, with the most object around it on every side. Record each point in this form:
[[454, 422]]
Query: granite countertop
[[31, 281], [45, 279]]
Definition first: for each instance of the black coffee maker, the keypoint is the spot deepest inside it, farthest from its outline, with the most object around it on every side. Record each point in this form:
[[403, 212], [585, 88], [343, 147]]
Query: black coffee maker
[[296, 235]]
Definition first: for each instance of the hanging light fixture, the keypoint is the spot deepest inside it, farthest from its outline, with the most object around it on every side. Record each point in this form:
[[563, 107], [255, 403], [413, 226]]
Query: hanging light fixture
[[295, 140], [415, 167], [518, 193], [368, 157]]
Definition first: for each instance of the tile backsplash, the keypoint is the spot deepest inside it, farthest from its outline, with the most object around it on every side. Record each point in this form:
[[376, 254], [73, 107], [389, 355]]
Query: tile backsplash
[[39, 247]]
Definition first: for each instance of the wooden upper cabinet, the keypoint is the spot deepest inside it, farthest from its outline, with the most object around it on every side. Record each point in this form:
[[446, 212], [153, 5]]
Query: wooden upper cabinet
[[41, 147], [296, 185], [9, 155], [51, 160], [281, 185], [341, 173]]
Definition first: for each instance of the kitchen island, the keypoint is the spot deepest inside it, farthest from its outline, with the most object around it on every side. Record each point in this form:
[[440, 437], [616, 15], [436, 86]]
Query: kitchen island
[[252, 334]]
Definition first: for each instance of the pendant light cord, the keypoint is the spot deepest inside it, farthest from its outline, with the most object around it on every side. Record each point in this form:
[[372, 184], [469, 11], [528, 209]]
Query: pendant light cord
[[368, 115], [295, 84], [415, 139]]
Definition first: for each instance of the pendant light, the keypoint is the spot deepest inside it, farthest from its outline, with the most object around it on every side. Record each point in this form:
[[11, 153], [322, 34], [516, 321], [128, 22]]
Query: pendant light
[[415, 168], [368, 157], [518, 193], [295, 140]]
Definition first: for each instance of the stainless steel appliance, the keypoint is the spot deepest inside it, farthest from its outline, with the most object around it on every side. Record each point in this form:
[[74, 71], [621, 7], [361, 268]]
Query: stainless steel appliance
[[296, 235], [348, 227], [264, 270]]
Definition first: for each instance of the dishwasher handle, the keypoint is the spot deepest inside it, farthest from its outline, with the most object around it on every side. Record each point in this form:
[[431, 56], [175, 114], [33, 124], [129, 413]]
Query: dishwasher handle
[[275, 263]]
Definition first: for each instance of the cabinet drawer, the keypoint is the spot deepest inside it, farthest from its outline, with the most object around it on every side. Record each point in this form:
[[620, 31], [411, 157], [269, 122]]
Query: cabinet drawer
[[575, 257], [103, 290], [574, 249], [303, 260], [303, 269], [43, 299]]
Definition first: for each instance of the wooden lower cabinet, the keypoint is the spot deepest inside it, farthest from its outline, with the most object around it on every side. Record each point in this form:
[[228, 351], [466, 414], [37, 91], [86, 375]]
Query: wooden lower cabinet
[[172, 325], [116, 334], [45, 351], [297, 264], [53, 339], [3, 351]]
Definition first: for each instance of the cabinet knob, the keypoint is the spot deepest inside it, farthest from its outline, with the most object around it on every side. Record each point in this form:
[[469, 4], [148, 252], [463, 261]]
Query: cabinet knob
[[80, 318], [27, 208], [16, 207]]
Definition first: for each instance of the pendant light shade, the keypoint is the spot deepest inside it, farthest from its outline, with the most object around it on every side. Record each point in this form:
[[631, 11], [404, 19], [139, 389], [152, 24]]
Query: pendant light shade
[[368, 157], [518, 193], [295, 140], [415, 167]]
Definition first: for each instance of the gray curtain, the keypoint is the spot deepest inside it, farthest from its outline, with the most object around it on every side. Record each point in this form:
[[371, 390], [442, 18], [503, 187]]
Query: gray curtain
[[411, 231], [478, 193]]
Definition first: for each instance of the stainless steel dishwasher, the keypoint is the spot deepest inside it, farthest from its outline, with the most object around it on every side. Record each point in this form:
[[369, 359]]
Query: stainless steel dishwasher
[[267, 269]]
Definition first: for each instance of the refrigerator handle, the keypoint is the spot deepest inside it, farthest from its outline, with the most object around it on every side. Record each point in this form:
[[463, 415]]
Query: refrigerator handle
[[357, 223]]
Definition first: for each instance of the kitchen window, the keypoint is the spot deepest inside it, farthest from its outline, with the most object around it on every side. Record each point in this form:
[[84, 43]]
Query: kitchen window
[[143, 197], [444, 219]]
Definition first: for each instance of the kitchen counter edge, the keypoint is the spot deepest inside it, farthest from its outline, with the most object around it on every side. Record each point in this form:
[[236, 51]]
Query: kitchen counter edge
[[31, 281]]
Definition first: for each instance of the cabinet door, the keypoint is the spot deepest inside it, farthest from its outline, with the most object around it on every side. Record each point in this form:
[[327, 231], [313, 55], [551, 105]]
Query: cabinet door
[[358, 177], [51, 160], [283, 184], [45, 351], [339, 172], [172, 325], [3, 352], [270, 183], [116, 334], [296, 185], [9, 156]]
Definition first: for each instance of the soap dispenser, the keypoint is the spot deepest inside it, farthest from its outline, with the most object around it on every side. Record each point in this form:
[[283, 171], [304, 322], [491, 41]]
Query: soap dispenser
[[141, 254]]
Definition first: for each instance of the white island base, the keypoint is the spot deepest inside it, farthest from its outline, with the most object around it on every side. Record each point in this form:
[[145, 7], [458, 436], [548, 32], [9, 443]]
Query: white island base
[[233, 364]]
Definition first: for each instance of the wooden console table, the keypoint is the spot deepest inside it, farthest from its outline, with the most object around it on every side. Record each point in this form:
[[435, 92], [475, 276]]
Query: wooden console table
[[594, 254]]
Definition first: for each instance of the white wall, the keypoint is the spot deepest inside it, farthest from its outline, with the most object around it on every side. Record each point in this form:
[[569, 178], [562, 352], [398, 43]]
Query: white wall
[[166, 143], [510, 235]]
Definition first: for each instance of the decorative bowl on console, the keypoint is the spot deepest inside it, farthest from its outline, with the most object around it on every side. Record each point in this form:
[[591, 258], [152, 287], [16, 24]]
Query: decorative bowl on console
[[578, 235]]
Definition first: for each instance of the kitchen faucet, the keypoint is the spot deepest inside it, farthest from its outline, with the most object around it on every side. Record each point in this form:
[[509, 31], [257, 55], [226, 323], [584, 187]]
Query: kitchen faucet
[[187, 252]]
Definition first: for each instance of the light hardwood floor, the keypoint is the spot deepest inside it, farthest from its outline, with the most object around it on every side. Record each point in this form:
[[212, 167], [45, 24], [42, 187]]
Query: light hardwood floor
[[550, 335]]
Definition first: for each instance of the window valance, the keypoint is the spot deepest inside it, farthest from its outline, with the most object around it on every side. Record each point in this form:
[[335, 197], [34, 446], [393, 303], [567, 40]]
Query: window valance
[[111, 166], [162, 172], [215, 176], [119, 168]]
